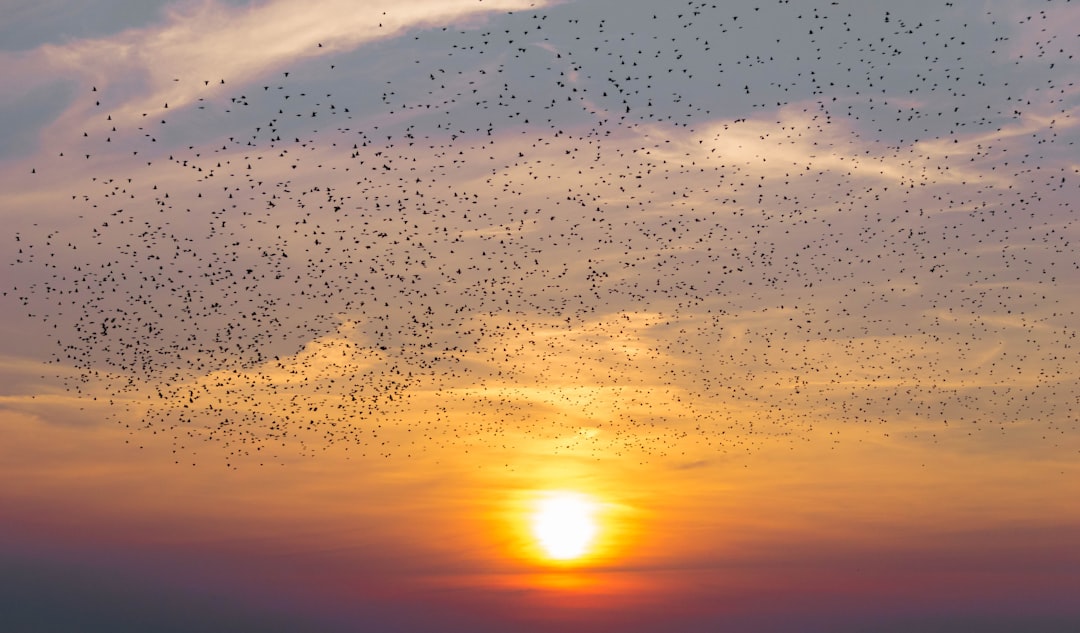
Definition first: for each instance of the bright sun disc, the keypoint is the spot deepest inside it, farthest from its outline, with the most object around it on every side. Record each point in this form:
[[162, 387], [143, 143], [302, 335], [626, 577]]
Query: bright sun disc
[[563, 524]]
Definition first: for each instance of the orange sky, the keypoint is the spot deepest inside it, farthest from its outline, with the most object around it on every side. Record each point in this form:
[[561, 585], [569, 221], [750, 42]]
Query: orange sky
[[305, 306], [878, 524]]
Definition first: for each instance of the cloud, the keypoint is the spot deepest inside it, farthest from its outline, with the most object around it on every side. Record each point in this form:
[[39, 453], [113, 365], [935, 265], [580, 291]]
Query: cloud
[[202, 43]]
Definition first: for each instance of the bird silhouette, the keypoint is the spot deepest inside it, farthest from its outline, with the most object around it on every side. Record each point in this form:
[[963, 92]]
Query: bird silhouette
[[614, 232]]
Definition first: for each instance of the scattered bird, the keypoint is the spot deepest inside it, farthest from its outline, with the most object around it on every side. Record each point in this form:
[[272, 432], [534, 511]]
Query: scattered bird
[[618, 234]]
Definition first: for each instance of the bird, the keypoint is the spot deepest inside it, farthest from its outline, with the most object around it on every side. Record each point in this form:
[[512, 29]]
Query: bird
[[633, 235]]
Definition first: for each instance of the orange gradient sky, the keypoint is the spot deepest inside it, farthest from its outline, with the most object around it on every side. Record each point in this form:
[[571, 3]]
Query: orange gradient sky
[[305, 308]]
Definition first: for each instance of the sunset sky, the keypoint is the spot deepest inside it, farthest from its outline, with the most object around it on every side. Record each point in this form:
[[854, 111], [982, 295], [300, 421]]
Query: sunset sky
[[312, 310]]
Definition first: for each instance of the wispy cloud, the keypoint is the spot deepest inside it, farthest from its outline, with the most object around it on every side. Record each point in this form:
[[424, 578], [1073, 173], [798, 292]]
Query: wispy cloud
[[201, 44]]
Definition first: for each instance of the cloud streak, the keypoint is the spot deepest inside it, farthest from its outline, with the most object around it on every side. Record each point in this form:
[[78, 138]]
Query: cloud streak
[[200, 45]]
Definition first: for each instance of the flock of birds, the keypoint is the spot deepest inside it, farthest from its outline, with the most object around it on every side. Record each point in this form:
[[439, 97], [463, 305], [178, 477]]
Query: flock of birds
[[648, 233]]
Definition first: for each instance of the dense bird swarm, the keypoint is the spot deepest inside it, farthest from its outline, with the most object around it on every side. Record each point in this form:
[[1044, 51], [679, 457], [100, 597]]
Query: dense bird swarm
[[620, 232]]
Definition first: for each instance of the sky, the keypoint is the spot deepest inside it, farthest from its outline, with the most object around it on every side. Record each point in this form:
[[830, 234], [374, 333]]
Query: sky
[[308, 307]]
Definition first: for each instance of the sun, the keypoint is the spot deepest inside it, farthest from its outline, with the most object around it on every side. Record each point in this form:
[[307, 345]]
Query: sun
[[564, 524]]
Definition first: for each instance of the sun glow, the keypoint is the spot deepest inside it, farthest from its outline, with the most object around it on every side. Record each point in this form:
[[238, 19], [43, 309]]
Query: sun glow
[[564, 524]]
